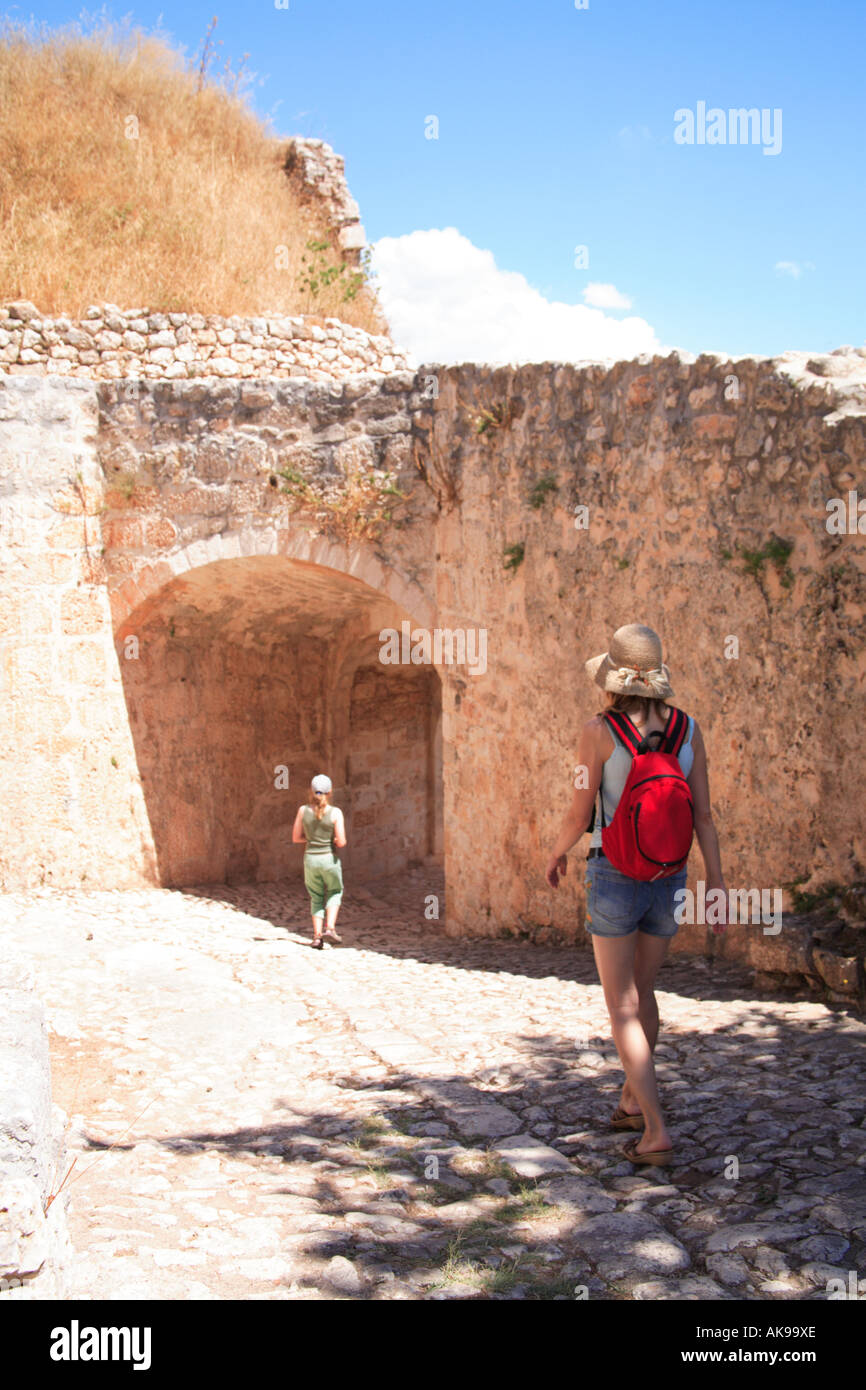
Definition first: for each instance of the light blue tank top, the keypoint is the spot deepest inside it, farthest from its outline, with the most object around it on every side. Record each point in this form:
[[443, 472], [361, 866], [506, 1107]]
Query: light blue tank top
[[614, 775]]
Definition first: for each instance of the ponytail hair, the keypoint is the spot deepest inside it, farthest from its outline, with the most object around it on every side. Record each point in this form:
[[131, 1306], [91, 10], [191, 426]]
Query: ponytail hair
[[319, 802]]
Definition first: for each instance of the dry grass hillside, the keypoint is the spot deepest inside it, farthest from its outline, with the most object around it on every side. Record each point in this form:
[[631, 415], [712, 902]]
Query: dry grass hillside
[[128, 177]]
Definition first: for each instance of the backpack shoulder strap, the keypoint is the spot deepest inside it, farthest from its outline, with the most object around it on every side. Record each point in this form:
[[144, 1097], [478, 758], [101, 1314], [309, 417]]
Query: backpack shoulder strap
[[621, 726], [671, 742], [677, 729]]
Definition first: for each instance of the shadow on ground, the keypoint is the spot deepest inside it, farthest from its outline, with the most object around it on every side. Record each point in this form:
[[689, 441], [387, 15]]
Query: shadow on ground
[[403, 1184], [382, 918]]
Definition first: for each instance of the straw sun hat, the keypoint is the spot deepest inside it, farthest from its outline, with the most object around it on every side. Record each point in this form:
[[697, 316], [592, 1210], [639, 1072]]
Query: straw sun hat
[[633, 665]]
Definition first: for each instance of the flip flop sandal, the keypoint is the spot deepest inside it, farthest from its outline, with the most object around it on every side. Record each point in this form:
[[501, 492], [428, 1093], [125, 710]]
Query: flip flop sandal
[[656, 1157], [620, 1119]]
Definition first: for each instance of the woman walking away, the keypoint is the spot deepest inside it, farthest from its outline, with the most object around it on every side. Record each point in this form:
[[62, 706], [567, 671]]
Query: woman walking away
[[647, 762], [321, 827]]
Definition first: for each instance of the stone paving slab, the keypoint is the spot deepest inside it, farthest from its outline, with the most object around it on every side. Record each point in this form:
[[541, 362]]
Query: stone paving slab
[[531, 1159], [410, 1116]]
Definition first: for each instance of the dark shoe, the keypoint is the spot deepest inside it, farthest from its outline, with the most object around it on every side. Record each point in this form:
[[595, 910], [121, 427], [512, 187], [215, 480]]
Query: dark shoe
[[331, 935], [318, 943]]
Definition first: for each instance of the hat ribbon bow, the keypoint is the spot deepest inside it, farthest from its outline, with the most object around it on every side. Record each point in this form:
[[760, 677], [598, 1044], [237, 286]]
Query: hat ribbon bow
[[654, 677]]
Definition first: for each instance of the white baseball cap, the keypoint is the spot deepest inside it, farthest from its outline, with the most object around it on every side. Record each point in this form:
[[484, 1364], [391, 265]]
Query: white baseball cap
[[321, 783]]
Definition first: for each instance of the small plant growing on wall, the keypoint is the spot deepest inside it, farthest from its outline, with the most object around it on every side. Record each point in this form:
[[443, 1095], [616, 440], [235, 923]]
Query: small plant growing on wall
[[438, 473], [824, 896], [296, 484], [318, 274], [775, 550], [542, 490], [497, 417], [125, 484], [357, 508], [514, 555]]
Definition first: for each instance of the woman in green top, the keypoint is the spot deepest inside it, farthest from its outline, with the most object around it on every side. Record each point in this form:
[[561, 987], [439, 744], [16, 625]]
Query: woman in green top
[[321, 828]]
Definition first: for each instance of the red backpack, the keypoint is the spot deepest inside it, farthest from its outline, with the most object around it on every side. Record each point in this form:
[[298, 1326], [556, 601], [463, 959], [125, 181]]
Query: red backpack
[[650, 835]]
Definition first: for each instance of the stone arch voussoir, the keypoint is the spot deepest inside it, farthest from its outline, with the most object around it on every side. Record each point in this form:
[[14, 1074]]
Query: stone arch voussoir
[[356, 560]]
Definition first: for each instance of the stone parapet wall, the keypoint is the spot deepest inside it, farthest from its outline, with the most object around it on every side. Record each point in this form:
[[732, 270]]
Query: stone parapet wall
[[34, 1241], [110, 343]]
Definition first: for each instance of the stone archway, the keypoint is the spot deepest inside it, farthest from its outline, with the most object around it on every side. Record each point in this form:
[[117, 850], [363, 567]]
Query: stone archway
[[240, 676]]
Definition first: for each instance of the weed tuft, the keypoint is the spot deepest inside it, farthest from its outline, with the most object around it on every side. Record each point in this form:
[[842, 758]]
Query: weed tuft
[[542, 490]]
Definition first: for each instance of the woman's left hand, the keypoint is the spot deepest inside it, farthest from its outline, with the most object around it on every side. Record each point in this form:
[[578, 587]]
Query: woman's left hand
[[555, 867]]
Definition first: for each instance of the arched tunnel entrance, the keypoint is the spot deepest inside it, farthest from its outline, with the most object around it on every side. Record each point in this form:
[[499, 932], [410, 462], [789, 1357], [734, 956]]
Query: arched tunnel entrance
[[244, 678]]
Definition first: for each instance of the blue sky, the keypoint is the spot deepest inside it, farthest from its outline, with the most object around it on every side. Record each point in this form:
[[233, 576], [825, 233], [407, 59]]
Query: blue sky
[[556, 130]]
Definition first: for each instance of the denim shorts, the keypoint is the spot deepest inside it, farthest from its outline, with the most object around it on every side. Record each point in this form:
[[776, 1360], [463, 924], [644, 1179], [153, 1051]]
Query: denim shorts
[[617, 905]]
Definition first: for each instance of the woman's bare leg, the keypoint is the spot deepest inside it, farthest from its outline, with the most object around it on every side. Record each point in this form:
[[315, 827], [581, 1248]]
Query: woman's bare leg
[[650, 952], [615, 957], [317, 926]]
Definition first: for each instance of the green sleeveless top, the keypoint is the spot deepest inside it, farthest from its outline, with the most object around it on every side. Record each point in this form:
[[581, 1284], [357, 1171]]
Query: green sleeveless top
[[319, 833]]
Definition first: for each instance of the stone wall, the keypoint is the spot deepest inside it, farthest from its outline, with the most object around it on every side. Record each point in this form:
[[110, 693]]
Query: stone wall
[[34, 1241], [149, 544], [318, 175], [393, 718], [64, 731], [110, 343], [688, 471]]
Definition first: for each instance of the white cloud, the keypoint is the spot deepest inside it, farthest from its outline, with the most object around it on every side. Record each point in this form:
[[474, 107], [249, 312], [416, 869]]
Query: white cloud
[[793, 268], [605, 297], [447, 301]]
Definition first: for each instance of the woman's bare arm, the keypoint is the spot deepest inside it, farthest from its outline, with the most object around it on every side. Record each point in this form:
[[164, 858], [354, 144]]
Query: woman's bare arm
[[339, 829], [594, 746], [298, 836], [699, 782]]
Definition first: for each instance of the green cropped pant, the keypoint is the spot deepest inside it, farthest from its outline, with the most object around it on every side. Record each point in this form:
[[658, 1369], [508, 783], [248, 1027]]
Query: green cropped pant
[[323, 879]]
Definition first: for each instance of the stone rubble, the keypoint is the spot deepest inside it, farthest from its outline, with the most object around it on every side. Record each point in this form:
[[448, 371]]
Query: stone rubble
[[255, 1120]]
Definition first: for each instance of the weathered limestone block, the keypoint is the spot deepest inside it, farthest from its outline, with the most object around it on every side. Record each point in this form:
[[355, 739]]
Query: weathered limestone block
[[840, 973], [34, 1247], [24, 1245], [22, 309]]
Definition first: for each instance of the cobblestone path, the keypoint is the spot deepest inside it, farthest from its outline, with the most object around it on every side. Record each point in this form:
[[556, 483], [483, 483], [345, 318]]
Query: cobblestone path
[[409, 1116]]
